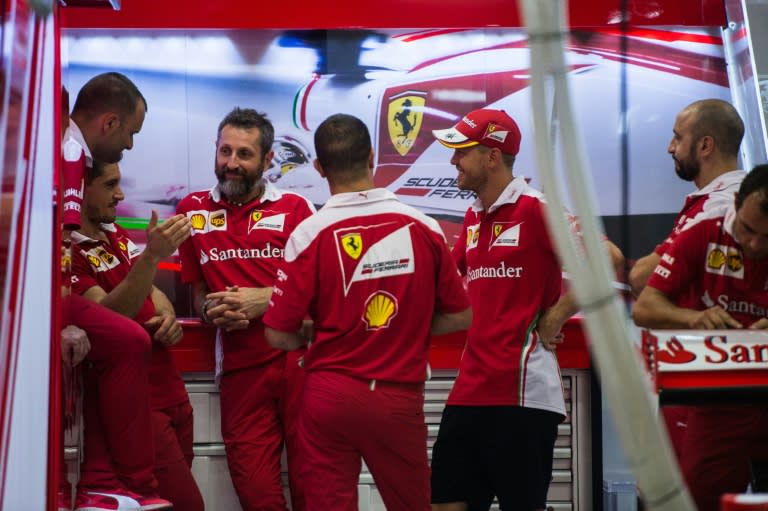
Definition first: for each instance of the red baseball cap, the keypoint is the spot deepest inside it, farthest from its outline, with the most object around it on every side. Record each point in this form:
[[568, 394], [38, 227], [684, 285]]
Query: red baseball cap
[[492, 128]]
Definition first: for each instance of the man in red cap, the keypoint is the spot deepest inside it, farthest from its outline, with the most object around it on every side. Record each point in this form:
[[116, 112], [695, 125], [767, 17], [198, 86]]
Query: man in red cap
[[498, 429]]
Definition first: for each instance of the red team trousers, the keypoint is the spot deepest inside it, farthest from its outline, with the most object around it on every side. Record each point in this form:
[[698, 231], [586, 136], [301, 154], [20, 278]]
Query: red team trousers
[[172, 429], [259, 408], [343, 419], [719, 444], [117, 451]]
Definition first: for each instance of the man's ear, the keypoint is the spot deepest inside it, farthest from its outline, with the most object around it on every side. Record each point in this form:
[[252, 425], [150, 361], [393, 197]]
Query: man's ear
[[268, 159], [109, 122], [706, 144], [318, 167]]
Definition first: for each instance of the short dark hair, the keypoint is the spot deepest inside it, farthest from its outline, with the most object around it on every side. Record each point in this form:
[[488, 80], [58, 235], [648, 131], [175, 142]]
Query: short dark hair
[[95, 171], [108, 92], [248, 118], [342, 144], [755, 181], [720, 120]]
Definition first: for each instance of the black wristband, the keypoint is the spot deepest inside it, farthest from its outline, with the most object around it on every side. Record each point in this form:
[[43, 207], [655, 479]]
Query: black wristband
[[204, 312]]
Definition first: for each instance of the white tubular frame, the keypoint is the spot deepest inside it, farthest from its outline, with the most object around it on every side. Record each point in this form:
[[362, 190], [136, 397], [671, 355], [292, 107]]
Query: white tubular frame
[[624, 381]]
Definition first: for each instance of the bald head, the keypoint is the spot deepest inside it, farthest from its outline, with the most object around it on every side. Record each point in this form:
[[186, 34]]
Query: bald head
[[718, 119]]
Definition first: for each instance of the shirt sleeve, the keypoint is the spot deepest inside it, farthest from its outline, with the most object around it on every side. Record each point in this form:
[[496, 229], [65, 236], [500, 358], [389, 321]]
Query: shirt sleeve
[[451, 295], [72, 183], [680, 263], [190, 265], [459, 251], [294, 289], [83, 276]]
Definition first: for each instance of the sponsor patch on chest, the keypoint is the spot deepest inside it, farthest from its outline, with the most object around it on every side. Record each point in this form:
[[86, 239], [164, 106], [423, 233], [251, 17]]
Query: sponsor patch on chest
[[266, 219], [204, 221], [505, 234], [101, 259], [724, 260]]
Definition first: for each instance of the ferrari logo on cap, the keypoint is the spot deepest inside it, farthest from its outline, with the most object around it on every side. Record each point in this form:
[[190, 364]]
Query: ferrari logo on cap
[[353, 244], [406, 110]]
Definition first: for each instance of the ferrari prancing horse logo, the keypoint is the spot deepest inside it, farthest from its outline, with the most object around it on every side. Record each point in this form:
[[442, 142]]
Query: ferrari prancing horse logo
[[406, 110], [353, 244]]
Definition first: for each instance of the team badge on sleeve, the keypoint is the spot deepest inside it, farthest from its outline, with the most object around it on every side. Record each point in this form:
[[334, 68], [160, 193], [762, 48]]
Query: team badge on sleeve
[[380, 308], [724, 260]]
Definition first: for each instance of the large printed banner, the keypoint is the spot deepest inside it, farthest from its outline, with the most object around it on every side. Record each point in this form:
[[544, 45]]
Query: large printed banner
[[402, 84]]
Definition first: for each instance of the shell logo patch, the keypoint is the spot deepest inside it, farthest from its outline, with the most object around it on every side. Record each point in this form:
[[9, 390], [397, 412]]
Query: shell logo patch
[[715, 259], [724, 260], [380, 308], [198, 221], [352, 244]]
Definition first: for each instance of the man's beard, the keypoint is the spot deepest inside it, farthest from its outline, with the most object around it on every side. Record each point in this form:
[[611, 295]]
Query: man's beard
[[687, 170], [237, 189]]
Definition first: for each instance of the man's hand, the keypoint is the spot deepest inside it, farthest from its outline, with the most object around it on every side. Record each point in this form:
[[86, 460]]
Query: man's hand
[[234, 308], [760, 324], [714, 318], [164, 239], [74, 345], [550, 343], [165, 329], [552, 320]]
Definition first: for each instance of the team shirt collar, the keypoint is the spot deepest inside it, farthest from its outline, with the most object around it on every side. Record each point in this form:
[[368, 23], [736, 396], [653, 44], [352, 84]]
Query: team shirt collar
[[78, 237], [723, 181], [271, 193], [78, 135], [511, 193], [364, 197]]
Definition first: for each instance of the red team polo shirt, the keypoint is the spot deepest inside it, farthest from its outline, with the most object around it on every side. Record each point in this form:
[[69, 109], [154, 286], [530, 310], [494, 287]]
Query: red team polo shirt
[[707, 263], [239, 245], [106, 264], [370, 271], [712, 201], [513, 275]]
